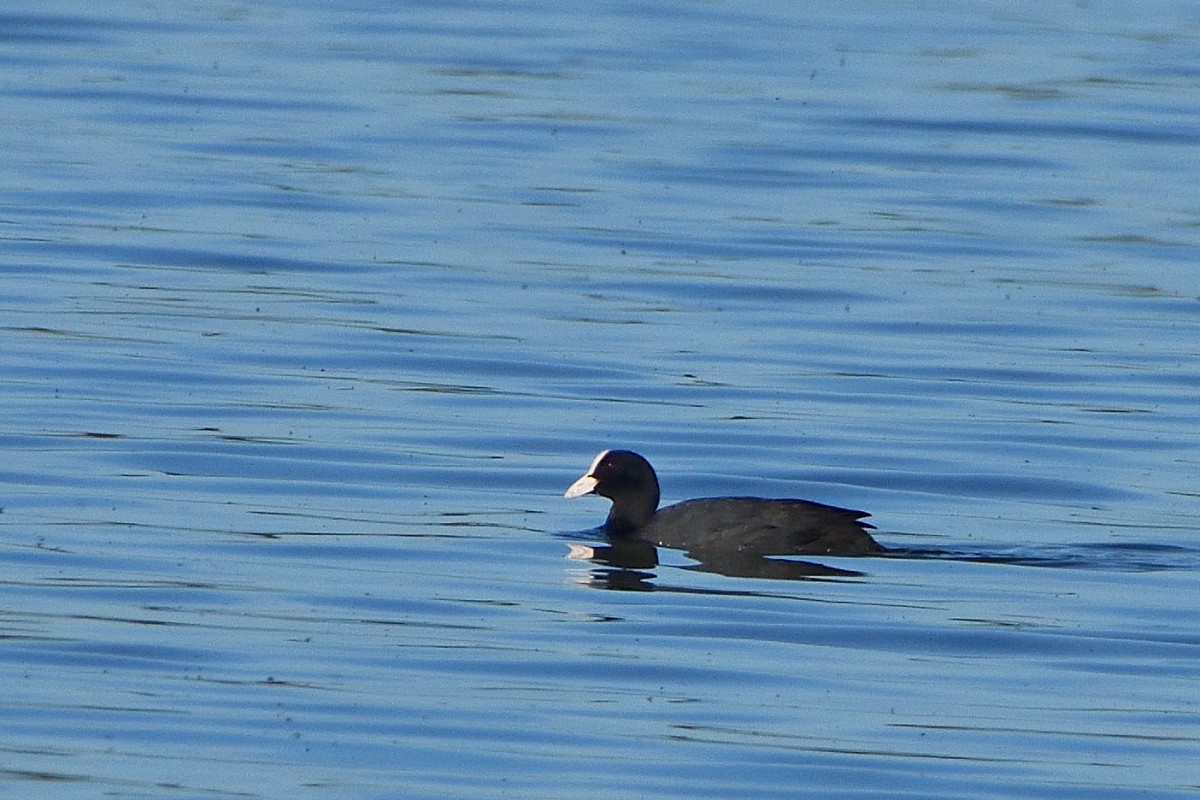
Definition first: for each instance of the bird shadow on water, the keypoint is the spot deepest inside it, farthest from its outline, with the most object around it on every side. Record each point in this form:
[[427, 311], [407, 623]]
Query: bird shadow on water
[[631, 565]]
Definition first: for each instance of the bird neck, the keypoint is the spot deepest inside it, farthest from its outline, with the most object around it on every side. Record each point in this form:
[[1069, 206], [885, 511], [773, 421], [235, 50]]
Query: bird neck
[[631, 513]]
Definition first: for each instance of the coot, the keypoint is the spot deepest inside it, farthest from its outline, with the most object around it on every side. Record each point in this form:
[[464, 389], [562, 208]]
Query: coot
[[718, 524]]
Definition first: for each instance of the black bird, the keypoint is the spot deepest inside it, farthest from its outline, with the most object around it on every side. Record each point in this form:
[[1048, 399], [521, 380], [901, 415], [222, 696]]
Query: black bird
[[718, 525]]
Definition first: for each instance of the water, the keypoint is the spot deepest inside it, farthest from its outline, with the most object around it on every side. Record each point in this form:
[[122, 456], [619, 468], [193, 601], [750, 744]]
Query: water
[[310, 315]]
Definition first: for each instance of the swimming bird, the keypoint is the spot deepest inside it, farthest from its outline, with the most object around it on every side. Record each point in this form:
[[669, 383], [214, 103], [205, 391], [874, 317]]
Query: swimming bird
[[712, 525]]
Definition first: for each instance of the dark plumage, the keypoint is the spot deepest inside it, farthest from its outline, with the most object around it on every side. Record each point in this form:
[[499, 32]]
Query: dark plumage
[[749, 525]]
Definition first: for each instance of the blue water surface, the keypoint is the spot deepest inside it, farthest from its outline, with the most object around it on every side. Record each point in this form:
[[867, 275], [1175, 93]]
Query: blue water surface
[[309, 314]]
